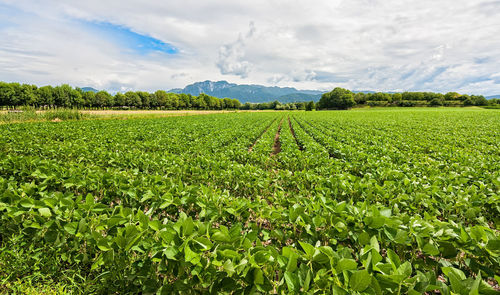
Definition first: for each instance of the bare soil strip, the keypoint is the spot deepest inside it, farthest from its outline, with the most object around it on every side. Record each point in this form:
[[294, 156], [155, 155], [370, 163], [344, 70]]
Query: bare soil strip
[[277, 143], [258, 137], [293, 134]]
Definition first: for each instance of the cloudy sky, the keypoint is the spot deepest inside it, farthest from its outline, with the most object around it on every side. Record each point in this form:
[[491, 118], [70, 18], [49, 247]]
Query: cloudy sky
[[383, 45]]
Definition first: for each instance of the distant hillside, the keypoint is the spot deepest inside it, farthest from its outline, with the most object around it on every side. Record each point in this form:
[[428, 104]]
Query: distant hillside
[[297, 97], [493, 96], [249, 93], [87, 89]]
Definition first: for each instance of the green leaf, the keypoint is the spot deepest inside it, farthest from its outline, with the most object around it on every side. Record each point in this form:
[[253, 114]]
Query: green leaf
[[89, 199], [346, 264], [404, 270], [228, 267], [292, 262], [170, 252], [430, 249], [262, 257], [71, 228], [103, 245], [393, 259], [155, 225], [45, 212], [474, 290], [456, 277], [308, 249], [258, 276], [292, 281], [188, 227], [494, 246], [204, 243], [26, 203], [374, 243], [191, 256], [220, 236], [360, 280]]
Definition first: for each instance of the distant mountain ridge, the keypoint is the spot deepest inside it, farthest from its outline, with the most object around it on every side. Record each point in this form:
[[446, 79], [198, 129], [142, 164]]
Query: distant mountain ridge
[[87, 89], [249, 93]]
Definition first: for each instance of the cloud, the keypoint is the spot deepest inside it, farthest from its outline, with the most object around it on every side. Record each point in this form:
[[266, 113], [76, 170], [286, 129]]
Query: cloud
[[385, 45], [231, 56]]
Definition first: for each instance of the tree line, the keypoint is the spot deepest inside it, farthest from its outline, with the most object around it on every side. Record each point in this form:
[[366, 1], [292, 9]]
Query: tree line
[[340, 98], [276, 105], [16, 94]]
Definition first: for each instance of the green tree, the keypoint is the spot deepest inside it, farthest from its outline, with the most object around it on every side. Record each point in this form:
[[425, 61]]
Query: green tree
[[45, 95], [88, 98], [452, 96], [145, 101], [338, 98], [120, 99], [132, 99], [436, 102], [28, 96], [103, 99], [161, 98], [360, 98], [479, 100], [76, 98], [310, 106], [300, 105], [62, 95], [397, 97]]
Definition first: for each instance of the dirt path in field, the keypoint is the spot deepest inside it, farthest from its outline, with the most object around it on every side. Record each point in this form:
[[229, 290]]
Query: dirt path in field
[[293, 134], [277, 143], [258, 137]]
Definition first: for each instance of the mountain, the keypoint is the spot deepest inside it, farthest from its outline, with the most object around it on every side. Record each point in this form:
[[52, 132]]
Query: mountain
[[493, 96], [297, 97], [249, 93], [87, 89]]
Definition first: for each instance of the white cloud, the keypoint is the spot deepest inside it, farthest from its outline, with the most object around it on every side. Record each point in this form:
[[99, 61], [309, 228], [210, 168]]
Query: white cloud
[[231, 56], [364, 44]]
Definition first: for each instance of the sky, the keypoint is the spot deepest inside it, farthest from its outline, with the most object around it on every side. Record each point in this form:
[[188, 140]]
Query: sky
[[379, 45]]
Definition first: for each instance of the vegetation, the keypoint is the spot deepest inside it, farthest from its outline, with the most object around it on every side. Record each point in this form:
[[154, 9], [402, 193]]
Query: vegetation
[[385, 201], [338, 98], [14, 95], [411, 99], [31, 114]]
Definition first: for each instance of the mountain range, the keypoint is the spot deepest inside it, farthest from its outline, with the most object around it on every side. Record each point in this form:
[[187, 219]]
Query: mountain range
[[252, 93], [249, 93]]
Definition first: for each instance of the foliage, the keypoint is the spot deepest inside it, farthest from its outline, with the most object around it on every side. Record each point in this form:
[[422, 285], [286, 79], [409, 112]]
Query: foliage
[[15, 95], [338, 98], [361, 202], [310, 106], [31, 114]]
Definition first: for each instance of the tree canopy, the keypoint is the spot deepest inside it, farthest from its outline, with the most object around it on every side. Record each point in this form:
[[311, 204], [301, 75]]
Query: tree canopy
[[338, 98]]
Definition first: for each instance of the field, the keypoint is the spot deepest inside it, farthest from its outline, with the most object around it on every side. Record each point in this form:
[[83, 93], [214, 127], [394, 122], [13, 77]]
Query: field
[[380, 201]]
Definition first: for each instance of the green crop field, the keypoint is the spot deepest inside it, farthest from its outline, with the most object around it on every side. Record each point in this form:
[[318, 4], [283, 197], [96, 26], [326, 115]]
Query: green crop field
[[381, 201]]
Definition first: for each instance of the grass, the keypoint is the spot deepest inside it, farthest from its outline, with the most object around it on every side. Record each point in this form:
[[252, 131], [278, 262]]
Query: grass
[[31, 288], [28, 114]]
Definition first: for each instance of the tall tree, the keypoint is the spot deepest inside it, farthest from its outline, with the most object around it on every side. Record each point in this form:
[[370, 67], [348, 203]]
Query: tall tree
[[338, 98]]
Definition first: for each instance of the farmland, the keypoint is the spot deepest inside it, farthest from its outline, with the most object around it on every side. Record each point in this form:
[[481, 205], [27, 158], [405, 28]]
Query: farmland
[[383, 201]]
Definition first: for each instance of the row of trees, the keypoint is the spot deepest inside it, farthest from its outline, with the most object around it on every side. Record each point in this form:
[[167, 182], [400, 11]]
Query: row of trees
[[340, 98], [276, 105], [15, 94]]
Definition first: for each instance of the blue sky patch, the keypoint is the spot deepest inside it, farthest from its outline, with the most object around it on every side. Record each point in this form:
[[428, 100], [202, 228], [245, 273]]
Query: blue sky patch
[[130, 40]]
